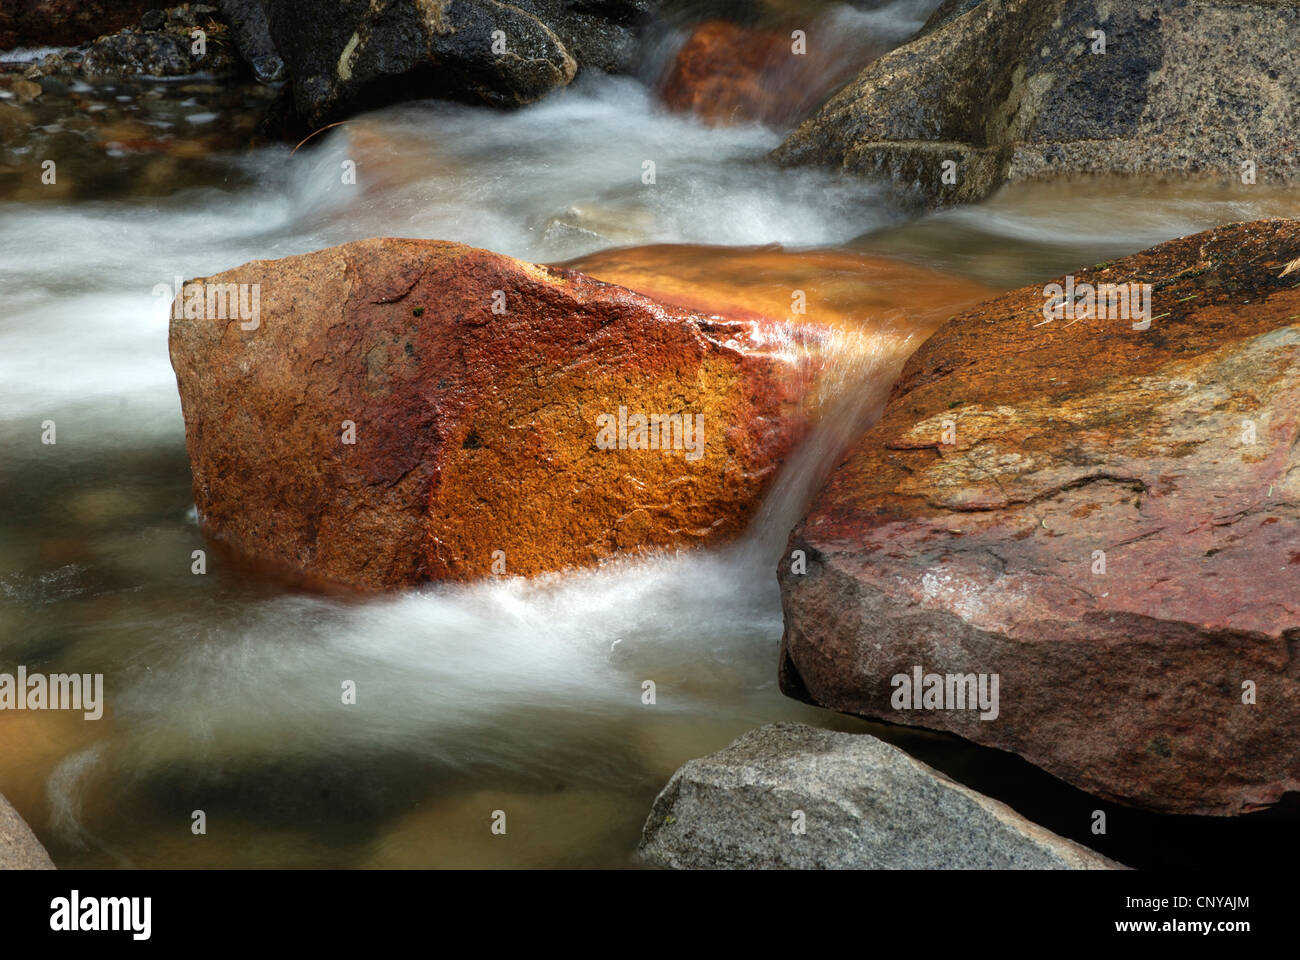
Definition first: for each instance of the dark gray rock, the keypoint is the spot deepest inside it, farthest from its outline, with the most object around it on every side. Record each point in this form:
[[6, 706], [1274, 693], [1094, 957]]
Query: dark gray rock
[[247, 20], [1013, 90], [192, 14], [865, 805], [354, 54], [19, 848], [124, 54], [159, 50]]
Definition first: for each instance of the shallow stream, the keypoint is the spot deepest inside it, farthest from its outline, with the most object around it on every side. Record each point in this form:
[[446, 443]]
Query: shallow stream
[[223, 689]]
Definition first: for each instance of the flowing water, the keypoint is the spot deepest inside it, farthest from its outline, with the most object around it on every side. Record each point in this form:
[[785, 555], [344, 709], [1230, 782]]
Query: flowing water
[[525, 697]]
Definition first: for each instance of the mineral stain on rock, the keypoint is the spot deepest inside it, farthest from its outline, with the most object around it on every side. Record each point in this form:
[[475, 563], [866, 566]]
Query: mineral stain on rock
[[1108, 526], [473, 430]]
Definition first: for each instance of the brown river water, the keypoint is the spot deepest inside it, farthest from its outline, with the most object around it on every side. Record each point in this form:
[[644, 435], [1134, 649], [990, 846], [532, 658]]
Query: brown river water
[[222, 689]]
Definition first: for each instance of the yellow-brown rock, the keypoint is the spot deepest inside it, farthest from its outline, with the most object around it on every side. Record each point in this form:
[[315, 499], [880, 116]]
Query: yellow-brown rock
[[403, 410]]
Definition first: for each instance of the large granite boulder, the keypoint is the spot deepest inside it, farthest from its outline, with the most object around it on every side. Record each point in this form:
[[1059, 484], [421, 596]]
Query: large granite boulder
[[390, 411], [1102, 515], [1008, 90], [790, 796]]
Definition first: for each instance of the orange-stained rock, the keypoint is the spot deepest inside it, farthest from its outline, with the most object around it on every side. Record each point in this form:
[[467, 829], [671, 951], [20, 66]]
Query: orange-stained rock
[[1106, 518], [475, 432], [727, 73]]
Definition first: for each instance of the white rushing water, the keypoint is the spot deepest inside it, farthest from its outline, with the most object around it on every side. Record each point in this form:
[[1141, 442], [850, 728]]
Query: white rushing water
[[531, 680], [83, 322]]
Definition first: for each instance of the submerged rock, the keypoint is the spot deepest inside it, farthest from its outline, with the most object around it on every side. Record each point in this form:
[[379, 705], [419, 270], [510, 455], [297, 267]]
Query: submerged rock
[[24, 90], [600, 223], [19, 848], [128, 137], [399, 410], [727, 73], [1103, 514], [1009, 90], [790, 796], [343, 57]]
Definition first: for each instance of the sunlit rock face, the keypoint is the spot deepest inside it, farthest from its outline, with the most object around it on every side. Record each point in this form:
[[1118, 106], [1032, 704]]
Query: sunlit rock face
[[391, 411], [848, 291], [1099, 506], [397, 410]]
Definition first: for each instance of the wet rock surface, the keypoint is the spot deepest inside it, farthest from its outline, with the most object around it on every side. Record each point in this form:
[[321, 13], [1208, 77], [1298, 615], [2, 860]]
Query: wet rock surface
[[164, 44], [344, 57], [1107, 518], [381, 424], [252, 35], [775, 74], [1009, 90]]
